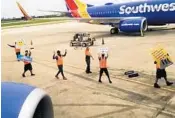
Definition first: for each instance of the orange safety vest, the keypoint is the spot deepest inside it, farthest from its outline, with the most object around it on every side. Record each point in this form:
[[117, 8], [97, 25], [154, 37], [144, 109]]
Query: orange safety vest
[[103, 63], [157, 66], [87, 53], [17, 49], [59, 61]]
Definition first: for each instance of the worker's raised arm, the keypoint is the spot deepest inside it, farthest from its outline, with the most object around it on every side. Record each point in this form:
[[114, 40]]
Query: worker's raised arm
[[12, 46], [99, 56], [107, 55], [54, 57], [30, 53], [65, 53]]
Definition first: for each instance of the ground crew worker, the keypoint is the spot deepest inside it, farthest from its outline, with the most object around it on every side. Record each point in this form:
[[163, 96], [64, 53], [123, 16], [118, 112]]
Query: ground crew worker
[[17, 50], [59, 60], [159, 74], [27, 65], [88, 57], [103, 67]]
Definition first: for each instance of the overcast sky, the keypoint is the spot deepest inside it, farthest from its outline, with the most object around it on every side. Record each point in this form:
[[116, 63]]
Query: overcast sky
[[9, 8]]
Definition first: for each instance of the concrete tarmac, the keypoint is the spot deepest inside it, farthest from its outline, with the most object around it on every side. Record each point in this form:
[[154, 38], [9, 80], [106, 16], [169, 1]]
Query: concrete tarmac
[[81, 96]]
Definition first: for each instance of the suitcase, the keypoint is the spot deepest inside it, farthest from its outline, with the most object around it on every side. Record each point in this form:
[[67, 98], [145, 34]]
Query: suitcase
[[135, 74], [129, 72]]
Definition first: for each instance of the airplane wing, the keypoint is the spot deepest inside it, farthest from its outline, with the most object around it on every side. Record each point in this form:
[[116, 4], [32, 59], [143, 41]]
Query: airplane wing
[[54, 11], [95, 20], [101, 20]]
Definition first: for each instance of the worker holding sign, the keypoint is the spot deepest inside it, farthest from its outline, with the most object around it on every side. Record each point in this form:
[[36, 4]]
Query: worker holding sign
[[162, 60], [27, 62], [18, 45], [103, 56]]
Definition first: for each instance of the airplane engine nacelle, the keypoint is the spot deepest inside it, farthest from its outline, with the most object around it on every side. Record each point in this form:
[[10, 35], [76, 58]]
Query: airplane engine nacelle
[[133, 25], [24, 101]]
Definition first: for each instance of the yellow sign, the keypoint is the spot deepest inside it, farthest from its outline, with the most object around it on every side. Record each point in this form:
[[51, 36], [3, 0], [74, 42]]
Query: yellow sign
[[19, 44], [161, 56]]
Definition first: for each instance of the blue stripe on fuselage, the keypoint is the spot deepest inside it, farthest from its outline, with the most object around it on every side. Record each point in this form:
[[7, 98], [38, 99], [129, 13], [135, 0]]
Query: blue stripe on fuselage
[[161, 16]]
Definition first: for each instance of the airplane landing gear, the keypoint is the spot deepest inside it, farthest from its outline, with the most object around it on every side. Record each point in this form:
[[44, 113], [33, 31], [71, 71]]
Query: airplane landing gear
[[114, 30]]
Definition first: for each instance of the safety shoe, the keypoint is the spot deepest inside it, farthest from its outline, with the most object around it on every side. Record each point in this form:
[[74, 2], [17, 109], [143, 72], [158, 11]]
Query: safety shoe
[[110, 82], [32, 74], [64, 78], [89, 72], [156, 85], [169, 83], [57, 77], [100, 81], [23, 75]]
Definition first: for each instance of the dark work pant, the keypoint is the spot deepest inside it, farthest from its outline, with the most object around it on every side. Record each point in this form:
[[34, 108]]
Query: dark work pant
[[17, 54], [60, 68], [88, 65], [106, 72], [161, 73]]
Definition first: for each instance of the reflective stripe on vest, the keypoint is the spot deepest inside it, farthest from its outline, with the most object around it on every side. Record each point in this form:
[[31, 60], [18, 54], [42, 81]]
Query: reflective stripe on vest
[[60, 61], [103, 63]]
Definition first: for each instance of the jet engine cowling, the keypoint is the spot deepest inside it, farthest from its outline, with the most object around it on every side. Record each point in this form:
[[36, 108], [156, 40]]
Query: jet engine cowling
[[133, 25], [24, 101]]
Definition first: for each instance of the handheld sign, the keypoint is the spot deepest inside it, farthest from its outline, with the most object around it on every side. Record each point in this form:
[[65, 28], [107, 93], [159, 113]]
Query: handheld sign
[[162, 58], [103, 50], [20, 43], [25, 58]]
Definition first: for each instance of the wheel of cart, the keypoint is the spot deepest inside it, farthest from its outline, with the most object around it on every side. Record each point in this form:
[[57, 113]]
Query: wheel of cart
[[92, 43], [71, 43], [84, 44]]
